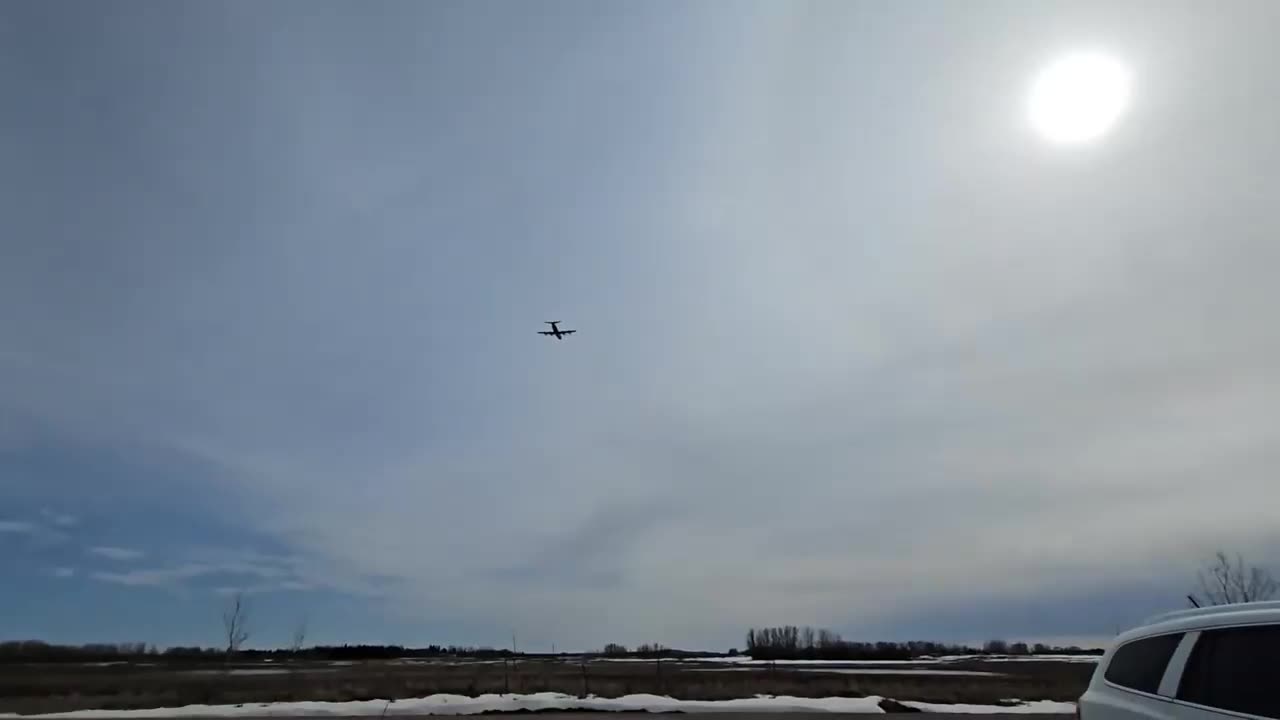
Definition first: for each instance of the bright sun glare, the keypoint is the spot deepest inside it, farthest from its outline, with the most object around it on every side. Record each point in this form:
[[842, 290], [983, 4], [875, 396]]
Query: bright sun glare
[[1079, 97]]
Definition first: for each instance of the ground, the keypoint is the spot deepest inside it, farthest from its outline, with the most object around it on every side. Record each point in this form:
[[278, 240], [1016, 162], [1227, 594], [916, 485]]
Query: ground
[[44, 688]]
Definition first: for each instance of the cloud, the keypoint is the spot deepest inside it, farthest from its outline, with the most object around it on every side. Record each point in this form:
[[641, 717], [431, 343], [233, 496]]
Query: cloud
[[36, 534], [59, 519], [589, 555], [116, 553], [261, 572], [259, 588], [154, 577], [62, 572], [294, 585]]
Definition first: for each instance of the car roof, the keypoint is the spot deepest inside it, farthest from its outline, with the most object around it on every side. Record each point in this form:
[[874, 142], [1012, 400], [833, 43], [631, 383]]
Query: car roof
[[1199, 618]]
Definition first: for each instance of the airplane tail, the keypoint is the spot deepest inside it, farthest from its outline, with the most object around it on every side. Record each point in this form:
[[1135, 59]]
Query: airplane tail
[[551, 322]]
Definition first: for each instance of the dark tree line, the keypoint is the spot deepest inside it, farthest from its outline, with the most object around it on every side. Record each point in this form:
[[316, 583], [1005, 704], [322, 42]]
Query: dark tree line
[[39, 651], [387, 652], [645, 650], [789, 642], [778, 643]]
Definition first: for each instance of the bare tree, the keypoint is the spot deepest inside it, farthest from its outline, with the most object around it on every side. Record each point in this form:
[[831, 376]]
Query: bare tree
[[299, 636], [1224, 582], [235, 623]]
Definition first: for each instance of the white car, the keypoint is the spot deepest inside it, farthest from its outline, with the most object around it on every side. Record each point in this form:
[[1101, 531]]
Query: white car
[[1201, 664]]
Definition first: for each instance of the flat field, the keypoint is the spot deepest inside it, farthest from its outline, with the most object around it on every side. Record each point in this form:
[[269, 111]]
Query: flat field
[[43, 688]]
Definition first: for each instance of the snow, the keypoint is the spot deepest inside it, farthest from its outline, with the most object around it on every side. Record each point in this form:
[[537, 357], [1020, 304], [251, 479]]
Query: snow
[[1022, 658], [256, 671], [866, 671], [1034, 706], [918, 661], [638, 660], [463, 705], [443, 661], [746, 660], [903, 671]]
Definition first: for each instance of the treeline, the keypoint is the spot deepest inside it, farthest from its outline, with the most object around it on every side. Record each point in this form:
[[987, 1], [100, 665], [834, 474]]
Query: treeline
[[777, 643], [789, 642], [39, 651], [387, 652]]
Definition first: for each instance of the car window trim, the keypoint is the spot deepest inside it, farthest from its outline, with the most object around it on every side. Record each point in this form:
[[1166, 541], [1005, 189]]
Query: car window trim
[[1177, 664]]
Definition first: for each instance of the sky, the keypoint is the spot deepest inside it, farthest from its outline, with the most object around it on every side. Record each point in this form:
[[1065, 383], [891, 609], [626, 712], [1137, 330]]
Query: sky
[[856, 347]]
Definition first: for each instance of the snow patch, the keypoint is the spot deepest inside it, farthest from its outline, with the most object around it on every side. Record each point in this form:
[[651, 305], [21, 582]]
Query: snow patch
[[746, 660], [638, 660], [462, 705], [256, 671], [1023, 658], [935, 672], [923, 660], [1034, 706], [901, 671]]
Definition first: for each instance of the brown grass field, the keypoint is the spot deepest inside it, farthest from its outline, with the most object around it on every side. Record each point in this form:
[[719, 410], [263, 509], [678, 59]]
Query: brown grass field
[[43, 688]]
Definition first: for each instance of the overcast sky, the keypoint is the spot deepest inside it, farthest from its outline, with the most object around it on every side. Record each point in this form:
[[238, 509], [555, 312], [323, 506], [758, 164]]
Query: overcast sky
[[856, 347]]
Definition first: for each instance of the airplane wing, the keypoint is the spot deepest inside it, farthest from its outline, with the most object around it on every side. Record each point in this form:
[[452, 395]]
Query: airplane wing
[[568, 332], [547, 332]]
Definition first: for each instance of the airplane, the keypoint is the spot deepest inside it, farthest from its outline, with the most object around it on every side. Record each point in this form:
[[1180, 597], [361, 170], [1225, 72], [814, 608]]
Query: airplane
[[556, 331]]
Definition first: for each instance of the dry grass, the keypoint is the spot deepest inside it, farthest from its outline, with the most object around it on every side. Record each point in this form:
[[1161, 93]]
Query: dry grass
[[58, 688]]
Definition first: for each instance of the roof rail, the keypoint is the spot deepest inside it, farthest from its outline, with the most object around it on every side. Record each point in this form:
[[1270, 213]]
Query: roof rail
[[1212, 610]]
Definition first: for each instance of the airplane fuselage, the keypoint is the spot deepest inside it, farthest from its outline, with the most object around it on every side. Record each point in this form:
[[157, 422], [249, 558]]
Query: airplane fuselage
[[555, 331]]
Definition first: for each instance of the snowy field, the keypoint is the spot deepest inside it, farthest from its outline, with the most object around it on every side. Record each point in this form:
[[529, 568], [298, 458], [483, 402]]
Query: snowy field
[[747, 660], [254, 671], [462, 705], [1032, 707], [1093, 659], [867, 671], [453, 686]]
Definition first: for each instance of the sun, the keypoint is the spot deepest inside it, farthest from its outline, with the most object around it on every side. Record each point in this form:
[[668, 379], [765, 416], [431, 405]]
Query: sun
[[1079, 98]]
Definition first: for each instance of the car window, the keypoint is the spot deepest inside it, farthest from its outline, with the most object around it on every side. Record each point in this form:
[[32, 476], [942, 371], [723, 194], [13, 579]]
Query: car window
[[1140, 665], [1235, 669]]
